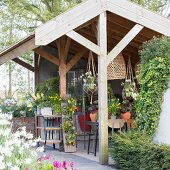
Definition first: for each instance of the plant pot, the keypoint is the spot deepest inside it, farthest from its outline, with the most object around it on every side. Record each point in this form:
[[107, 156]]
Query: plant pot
[[46, 111], [125, 116], [38, 111], [93, 116], [68, 148]]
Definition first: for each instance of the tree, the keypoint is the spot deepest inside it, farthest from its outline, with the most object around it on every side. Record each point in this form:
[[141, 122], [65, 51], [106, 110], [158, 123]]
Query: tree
[[155, 5]]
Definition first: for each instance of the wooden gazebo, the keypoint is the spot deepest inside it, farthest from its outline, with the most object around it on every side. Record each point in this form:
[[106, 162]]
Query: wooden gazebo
[[105, 27]]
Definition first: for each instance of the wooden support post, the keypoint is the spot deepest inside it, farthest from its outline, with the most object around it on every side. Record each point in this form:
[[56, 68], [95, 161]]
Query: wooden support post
[[102, 90], [36, 69], [62, 66]]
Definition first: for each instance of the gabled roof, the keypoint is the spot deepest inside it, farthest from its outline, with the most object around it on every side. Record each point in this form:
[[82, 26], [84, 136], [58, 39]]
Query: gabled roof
[[84, 12], [122, 16]]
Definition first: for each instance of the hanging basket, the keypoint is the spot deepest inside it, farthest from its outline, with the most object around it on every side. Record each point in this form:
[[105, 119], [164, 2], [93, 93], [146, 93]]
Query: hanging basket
[[117, 68]]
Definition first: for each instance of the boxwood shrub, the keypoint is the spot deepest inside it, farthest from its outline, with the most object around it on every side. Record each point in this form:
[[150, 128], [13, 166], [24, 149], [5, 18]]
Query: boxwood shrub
[[135, 150]]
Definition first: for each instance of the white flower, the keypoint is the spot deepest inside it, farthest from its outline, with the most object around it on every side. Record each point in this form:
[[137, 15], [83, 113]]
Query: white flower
[[29, 136], [15, 168], [28, 161], [40, 149]]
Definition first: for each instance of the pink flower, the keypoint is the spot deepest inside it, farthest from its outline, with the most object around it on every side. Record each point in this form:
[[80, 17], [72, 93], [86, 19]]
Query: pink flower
[[57, 164], [72, 164], [65, 164]]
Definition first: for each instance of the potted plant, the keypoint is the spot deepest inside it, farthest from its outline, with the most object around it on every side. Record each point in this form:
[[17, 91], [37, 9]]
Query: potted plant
[[125, 110], [114, 107], [69, 133], [129, 90], [56, 104]]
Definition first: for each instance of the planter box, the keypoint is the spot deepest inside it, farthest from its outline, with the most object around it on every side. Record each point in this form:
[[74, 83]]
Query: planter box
[[46, 111], [68, 148]]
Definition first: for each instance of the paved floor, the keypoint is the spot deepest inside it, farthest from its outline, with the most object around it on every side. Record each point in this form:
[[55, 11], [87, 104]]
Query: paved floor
[[81, 159]]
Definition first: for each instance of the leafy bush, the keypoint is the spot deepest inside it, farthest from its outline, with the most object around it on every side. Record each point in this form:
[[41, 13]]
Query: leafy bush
[[49, 87], [134, 150], [154, 79], [155, 48], [16, 108]]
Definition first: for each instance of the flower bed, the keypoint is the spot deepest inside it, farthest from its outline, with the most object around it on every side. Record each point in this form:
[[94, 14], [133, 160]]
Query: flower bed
[[135, 150], [17, 150]]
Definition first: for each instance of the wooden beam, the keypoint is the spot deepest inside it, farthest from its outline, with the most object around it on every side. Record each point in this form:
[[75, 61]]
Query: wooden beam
[[67, 46], [84, 41], [124, 42], [68, 21], [62, 67], [75, 59], [138, 14], [102, 89], [24, 64], [47, 55], [18, 51]]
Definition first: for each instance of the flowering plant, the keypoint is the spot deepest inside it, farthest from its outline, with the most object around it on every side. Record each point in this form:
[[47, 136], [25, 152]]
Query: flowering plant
[[8, 105], [16, 149], [68, 125], [89, 82], [129, 90], [45, 164]]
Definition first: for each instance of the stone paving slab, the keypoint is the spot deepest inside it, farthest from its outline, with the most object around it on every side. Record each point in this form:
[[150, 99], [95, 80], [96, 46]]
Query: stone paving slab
[[82, 161]]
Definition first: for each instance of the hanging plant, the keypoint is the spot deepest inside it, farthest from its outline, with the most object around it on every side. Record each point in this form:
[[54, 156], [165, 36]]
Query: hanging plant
[[129, 90], [90, 78], [89, 82], [129, 86]]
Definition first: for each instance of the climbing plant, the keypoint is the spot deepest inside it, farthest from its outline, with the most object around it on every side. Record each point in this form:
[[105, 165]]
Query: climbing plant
[[154, 79]]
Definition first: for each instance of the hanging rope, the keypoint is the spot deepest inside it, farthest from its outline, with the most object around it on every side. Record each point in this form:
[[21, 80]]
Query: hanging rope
[[129, 72], [129, 88], [90, 89]]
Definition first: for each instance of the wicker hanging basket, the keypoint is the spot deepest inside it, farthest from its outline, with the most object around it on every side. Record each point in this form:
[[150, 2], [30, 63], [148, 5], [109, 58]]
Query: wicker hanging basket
[[117, 68]]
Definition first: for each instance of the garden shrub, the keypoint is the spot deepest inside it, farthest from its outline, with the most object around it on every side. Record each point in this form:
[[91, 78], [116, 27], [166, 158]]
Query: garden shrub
[[154, 79], [134, 150], [49, 87]]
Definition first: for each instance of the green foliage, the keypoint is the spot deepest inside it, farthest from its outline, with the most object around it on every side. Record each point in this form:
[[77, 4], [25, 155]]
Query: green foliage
[[114, 106], [134, 150], [68, 124], [154, 5], [49, 87], [157, 47], [154, 79]]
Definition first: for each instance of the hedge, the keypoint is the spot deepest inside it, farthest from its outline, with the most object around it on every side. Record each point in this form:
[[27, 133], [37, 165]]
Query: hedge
[[134, 150]]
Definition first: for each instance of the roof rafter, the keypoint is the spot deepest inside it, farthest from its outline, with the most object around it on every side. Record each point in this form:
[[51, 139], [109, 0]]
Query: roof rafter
[[124, 42]]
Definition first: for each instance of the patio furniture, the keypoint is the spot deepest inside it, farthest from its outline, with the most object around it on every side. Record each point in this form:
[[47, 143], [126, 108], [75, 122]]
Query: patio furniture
[[93, 132], [48, 124], [117, 124]]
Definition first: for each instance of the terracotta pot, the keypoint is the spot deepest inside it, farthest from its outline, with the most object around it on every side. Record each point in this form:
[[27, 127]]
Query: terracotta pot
[[125, 116], [93, 116]]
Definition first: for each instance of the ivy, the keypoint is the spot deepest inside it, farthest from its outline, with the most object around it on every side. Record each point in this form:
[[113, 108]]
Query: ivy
[[154, 80]]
